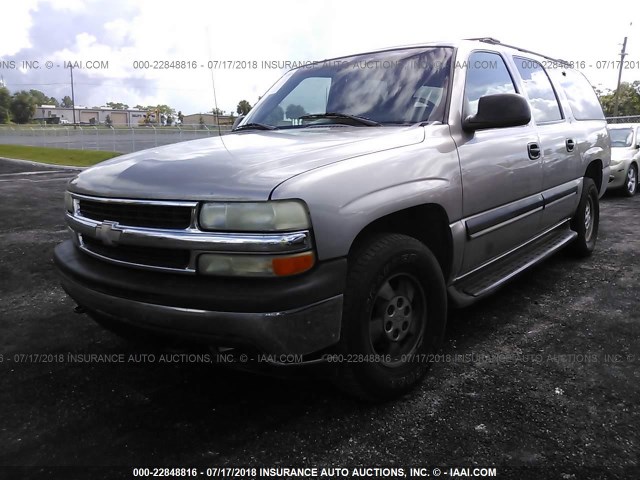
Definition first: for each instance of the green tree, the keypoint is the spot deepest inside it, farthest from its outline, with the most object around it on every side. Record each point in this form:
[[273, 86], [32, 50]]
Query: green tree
[[161, 109], [66, 102], [107, 121], [5, 104], [41, 99], [117, 106], [180, 116], [201, 122], [139, 107], [243, 108], [217, 111], [294, 112], [22, 107], [628, 100], [276, 116]]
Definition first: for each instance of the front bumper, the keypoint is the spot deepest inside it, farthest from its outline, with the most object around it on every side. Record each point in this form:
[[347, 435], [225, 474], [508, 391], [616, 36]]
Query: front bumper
[[298, 315], [618, 174]]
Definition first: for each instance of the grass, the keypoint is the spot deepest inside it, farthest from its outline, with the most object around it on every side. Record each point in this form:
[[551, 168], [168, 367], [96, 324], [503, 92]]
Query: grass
[[56, 156]]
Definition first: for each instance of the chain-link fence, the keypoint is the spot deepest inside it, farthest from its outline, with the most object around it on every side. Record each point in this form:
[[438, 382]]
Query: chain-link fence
[[631, 119], [116, 139]]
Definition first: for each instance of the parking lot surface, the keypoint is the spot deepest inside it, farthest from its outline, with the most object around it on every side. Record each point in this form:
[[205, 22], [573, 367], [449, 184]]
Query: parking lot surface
[[544, 374]]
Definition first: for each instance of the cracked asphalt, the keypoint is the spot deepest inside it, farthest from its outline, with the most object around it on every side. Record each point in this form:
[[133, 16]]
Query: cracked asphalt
[[541, 380]]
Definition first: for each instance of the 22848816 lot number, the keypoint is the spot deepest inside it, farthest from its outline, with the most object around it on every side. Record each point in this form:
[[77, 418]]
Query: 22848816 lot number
[[165, 472]]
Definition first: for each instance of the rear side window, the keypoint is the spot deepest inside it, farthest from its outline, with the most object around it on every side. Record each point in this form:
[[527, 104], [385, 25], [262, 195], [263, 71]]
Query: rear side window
[[486, 75], [542, 97], [582, 98]]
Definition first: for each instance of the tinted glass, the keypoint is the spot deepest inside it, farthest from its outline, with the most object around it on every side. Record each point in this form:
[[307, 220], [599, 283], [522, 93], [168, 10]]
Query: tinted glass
[[486, 74], [309, 97], [621, 137], [542, 98], [393, 87], [582, 98]]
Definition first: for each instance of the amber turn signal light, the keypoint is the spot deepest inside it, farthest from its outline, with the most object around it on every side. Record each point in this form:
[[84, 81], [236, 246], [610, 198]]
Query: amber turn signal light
[[292, 264]]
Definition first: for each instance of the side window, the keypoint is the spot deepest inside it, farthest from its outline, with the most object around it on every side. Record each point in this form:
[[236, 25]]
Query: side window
[[542, 97], [486, 74], [582, 98]]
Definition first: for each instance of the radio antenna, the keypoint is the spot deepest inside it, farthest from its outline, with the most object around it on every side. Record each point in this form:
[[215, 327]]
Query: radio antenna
[[213, 86]]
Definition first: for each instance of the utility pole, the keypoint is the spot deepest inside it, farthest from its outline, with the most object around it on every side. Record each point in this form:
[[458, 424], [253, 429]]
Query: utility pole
[[73, 99], [616, 99]]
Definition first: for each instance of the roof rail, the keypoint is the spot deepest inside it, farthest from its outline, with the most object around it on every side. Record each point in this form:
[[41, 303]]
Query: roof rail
[[494, 41], [485, 40]]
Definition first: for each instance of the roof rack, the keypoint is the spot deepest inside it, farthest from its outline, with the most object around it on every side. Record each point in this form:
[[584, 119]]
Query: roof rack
[[494, 41]]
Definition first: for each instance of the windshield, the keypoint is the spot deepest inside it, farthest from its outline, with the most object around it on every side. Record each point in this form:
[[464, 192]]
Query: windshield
[[621, 137], [394, 87]]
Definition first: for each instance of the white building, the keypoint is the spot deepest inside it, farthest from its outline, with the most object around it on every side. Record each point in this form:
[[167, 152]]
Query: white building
[[92, 116]]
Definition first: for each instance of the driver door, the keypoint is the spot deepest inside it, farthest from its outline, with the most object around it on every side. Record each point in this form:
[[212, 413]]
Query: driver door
[[501, 171]]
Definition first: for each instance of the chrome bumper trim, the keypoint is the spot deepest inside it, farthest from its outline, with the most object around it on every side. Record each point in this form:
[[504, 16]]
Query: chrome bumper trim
[[192, 239]]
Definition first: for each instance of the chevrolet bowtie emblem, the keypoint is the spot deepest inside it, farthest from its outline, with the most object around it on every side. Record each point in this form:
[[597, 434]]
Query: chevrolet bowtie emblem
[[108, 233]]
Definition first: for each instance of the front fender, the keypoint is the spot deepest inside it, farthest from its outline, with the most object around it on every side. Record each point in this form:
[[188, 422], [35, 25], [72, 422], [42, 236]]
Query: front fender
[[345, 197]]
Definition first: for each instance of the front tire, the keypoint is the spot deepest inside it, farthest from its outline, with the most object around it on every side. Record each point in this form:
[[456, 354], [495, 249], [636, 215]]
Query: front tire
[[394, 317], [586, 220], [631, 181]]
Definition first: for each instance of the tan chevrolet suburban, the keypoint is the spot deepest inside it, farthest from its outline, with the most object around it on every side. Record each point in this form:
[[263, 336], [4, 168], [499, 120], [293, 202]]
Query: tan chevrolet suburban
[[358, 199]]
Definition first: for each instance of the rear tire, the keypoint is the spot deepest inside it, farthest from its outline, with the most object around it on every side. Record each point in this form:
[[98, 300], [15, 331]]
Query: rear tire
[[586, 220], [631, 181], [394, 317]]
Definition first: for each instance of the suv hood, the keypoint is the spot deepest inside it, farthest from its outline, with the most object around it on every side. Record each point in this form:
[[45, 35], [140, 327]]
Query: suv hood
[[240, 166]]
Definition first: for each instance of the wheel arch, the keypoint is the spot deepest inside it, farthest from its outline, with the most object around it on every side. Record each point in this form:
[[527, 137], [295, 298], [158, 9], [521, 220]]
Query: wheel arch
[[594, 172], [428, 223]]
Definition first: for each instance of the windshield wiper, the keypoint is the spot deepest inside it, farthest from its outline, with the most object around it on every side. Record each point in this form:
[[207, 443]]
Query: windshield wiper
[[355, 118], [255, 126]]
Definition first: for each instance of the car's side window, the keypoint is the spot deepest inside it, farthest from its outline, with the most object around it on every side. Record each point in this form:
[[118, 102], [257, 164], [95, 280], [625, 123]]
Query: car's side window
[[582, 97], [542, 96], [486, 74]]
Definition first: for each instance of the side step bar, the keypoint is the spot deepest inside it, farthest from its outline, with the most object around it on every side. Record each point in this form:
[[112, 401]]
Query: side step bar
[[488, 279]]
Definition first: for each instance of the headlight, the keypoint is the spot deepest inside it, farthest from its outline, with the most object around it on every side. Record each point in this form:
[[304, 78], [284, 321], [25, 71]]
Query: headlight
[[254, 216]]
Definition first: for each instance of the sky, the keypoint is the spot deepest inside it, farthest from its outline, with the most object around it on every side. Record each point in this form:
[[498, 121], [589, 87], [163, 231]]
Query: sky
[[118, 35]]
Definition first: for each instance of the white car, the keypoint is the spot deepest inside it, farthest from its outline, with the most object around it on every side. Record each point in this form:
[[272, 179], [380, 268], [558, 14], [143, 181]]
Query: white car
[[625, 157]]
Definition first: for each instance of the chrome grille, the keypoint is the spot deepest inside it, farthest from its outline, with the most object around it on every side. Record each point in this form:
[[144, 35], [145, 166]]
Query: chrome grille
[[140, 215]]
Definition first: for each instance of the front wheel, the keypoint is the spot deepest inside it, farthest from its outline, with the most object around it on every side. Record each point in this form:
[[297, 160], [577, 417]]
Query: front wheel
[[394, 317], [631, 181], [586, 220]]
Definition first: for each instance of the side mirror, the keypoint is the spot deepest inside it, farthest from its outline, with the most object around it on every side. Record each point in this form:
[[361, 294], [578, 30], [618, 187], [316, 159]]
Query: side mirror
[[499, 111], [237, 121]]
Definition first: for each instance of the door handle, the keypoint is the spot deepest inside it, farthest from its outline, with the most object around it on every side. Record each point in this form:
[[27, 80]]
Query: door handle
[[570, 144], [534, 151]]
